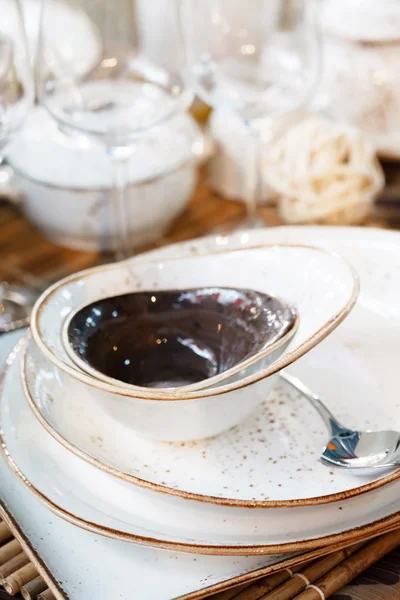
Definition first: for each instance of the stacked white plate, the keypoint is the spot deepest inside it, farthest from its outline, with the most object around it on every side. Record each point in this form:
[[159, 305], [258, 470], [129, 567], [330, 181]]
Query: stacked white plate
[[257, 488]]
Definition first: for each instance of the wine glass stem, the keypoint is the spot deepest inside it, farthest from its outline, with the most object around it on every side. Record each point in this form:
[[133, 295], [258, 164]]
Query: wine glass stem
[[255, 190], [119, 158]]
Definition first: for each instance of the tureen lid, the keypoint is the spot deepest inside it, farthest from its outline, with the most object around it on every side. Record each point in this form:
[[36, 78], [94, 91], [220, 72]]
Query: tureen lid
[[43, 152], [363, 20]]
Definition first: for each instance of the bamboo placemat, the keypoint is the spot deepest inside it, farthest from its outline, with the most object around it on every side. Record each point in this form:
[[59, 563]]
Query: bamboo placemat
[[322, 578], [23, 575], [22, 572]]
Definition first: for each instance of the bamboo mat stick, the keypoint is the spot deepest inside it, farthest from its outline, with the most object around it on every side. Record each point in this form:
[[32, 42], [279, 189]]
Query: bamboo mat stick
[[8, 551], [20, 560], [350, 568], [32, 589], [232, 593], [299, 581], [254, 590], [47, 595], [14, 582], [5, 533]]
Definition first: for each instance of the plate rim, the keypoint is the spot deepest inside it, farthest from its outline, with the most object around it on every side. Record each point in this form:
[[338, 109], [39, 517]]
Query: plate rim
[[348, 536]]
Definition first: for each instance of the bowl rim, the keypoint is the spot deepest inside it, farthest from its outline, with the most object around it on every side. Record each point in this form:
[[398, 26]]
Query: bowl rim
[[275, 367], [204, 383]]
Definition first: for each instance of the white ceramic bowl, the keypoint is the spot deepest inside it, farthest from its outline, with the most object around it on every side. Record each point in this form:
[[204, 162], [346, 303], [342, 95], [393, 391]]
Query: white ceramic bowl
[[322, 287], [66, 182]]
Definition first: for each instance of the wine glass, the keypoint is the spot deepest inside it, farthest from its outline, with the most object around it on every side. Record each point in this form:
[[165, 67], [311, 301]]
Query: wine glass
[[259, 60], [127, 91], [16, 98], [16, 82]]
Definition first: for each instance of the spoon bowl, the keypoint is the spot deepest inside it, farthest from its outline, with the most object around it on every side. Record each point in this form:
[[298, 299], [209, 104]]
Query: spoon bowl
[[358, 451], [16, 303], [363, 450]]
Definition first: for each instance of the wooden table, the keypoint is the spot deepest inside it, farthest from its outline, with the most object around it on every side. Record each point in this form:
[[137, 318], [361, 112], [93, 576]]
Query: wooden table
[[26, 255]]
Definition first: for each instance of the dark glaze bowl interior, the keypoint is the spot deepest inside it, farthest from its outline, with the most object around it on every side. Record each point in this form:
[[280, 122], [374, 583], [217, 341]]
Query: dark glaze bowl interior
[[169, 339]]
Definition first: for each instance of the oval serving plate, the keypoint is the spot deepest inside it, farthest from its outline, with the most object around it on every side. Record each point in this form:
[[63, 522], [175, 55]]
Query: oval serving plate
[[268, 461]]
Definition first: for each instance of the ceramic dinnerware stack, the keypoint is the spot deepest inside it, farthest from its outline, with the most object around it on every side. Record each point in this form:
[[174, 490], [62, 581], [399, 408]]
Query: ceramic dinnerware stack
[[226, 465]]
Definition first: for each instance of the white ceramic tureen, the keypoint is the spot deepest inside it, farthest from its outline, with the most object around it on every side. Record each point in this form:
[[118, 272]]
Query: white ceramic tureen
[[66, 181]]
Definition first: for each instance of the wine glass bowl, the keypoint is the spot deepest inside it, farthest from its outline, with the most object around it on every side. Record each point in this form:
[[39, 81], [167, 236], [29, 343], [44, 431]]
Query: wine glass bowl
[[118, 103], [264, 62], [260, 62], [16, 85], [123, 96]]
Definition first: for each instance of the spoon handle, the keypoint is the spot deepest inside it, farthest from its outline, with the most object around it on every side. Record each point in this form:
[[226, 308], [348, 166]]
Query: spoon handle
[[330, 421]]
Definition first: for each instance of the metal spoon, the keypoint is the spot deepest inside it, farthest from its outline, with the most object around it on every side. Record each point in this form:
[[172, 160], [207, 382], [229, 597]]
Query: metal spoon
[[16, 303], [348, 448]]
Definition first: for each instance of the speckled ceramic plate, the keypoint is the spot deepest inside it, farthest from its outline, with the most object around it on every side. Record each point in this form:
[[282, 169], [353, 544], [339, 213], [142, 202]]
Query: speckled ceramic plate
[[270, 460]]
